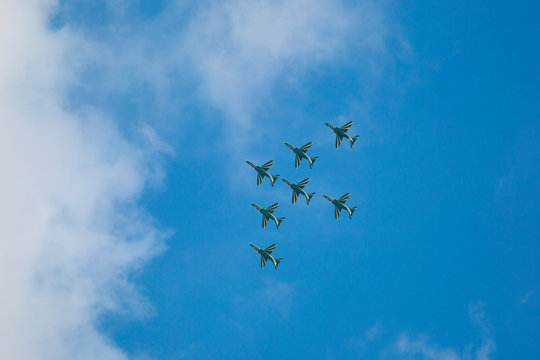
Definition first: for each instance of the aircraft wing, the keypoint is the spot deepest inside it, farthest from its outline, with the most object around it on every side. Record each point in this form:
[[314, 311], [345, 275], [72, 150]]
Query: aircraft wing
[[264, 222], [338, 210], [271, 208], [270, 248], [267, 165], [297, 161], [259, 179], [303, 183], [263, 262], [347, 126], [338, 140], [344, 197], [306, 147], [294, 196]]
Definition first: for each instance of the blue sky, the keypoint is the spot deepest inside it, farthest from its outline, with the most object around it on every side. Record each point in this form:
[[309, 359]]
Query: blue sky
[[165, 101]]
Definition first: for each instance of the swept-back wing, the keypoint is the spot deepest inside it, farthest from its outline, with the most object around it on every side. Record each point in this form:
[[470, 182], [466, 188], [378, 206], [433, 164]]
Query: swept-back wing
[[347, 126], [259, 179], [264, 222], [306, 147], [294, 197], [271, 208], [267, 165], [344, 197], [303, 183], [338, 140], [337, 212], [297, 161], [263, 262], [270, 248]]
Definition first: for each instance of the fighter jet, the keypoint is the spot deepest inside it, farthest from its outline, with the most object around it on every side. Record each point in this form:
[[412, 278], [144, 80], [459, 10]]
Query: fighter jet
[[340, 204], [265, 255], [301, 154], [262, 171], [298, 189], [341, 132], [267, 214]]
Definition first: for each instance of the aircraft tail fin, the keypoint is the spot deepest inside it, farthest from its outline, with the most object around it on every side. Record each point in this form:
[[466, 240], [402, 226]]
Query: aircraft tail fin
[[309, 196], [353, 140], [313, 161], [279, 221], [278, 261], [274, 178], [352, 211]]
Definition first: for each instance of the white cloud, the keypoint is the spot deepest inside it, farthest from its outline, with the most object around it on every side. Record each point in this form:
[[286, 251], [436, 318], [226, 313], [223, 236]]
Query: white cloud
[[422, 346], [71, 230], [241, 47]]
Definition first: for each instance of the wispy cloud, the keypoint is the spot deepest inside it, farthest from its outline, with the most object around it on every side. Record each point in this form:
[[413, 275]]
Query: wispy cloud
[[422, 346], [237, 55], [525, 298]]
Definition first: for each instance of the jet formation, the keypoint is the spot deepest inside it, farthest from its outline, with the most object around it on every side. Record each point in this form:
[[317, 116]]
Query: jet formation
[[297, 189]]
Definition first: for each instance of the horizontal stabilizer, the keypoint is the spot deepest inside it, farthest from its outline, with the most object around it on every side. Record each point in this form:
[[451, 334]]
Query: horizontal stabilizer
[[313, 161], [353, 140]]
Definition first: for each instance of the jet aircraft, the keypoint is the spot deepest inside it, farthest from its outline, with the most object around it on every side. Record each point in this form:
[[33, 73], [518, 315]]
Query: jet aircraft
[[341, 132], [265, 255], [267, 214], [340, 204], [298, 189], [301, 154], [262, 171]]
